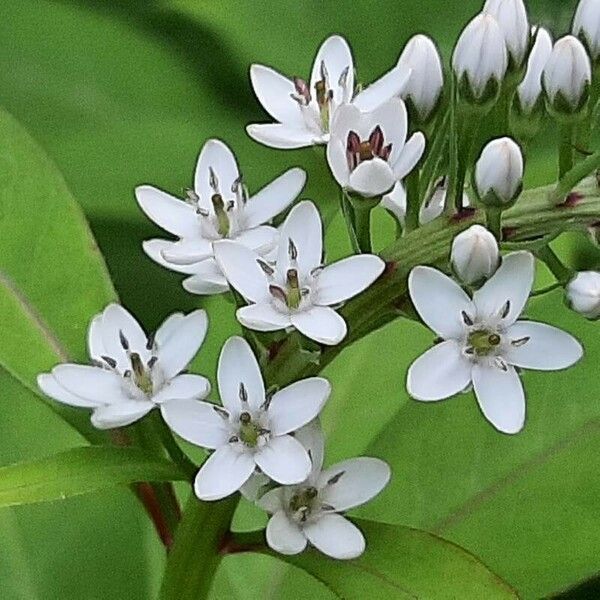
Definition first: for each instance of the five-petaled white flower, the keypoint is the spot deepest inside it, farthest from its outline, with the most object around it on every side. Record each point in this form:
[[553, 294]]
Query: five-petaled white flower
[[304, 111], [252, 430], [483, 342], [309, 512], [132, 373], [218, 207], [296, 290], [368, 151]]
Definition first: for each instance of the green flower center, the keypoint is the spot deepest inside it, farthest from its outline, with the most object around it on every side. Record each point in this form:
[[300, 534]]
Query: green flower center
[[302, 502], [482, 342], [249, 430]]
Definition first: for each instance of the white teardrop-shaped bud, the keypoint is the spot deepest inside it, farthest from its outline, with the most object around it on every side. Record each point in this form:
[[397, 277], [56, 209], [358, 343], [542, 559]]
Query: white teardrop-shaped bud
[[567, 76], [586, 25], [583, 294], [474, 254], [426, 81], [499, 172], [480, 58], [512, 18], [530, 88]]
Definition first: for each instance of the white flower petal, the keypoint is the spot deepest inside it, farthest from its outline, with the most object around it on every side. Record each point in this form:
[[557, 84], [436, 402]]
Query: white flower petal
[[500, 397], [372, 178], [283, 535], [120, 414], [410, 155], [48, 384], [116, 321], [156, 250], [510, 283], [217, 156], [297, 404], [312, 438], [176, 352], [207, 279], [274, 92], [337, 57], [439, 301], [284, 460], [170, 213], [94, 384], [335, 536], [274, 197], [347, 278], [547, 348], [272, 501], [262, 317], [283, 137], [169, 326], [338, 163], [223, 473], [261, 239], [255, 487], [322, 324], [361, 479], [96, 348], [389, 85], [197, 422], [238, 365], [303, 226], [183, 387], [187, 251], [439, 373], [395, 201]]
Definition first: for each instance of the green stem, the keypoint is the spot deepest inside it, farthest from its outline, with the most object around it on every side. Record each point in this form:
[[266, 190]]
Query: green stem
[[565, 150], [561, 272], [361, 210], [493, 218], [349, 220], [197, 551], [572, 177], [413, 202], [434, 156], [176, 454]]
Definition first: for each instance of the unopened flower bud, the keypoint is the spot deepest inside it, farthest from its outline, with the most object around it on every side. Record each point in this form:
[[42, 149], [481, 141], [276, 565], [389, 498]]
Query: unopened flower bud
[[583, 294], [586, 26], [499, 172], [567, 77], [426, 80], [512, 18], [474, 254], [480, 60], [530, 89]]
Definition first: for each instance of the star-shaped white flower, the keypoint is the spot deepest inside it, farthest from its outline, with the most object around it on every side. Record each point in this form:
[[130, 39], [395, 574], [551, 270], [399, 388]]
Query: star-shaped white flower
[[304, 111], [251, 430], [131, 373], [368, 151], [218, 207], [483, 343], [296, 290], [310, 512]]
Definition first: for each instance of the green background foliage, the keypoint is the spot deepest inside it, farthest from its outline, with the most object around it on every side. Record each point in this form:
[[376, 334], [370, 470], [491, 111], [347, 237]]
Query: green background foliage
[[120, 93]]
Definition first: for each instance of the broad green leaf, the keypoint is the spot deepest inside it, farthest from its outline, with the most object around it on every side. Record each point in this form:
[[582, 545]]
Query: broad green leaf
[[80, 471], [403, 563]]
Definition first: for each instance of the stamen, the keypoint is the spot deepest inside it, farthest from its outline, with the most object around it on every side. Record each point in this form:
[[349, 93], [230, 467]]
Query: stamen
[[333, 480], [221, 214], [267, 268], [376, 140], [343, 80], [245, 418], [233, 439], [506, 309], [123, 340], [385, 152], [353, 142], [327, 507], [243, 393], [365, 152], [292, 250], [293, 296], [278, 293], [520, 342], [111, 362], [213, 180], [202, 212], [191, 196], [467, 319], [153, 360], [501, 364], [221, 412], [150, 342], [302, 90]]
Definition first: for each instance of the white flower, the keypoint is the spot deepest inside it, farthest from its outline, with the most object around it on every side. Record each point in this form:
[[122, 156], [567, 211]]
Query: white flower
[[309, 512], [530, 88], [296, 290], [251, 430], [217, 208], [586, 25], [131, 373], [431, 208], [424, 86], [499, 171], [474, 254], [512, 18], [480, 55], [304, 111], [483, 342], [567, 73], [583, 294], [368, 151]]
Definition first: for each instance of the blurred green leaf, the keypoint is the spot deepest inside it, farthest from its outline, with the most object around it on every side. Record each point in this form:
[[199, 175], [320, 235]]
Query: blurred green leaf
[[80, 471], [404, 563]]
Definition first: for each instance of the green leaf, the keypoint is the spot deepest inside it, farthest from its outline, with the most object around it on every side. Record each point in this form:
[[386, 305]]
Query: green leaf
[[80, 471], [403, 563]]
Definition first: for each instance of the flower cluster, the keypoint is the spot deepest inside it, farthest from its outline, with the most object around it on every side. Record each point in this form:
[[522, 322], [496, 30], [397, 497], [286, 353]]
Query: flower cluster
[[408, 143]]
